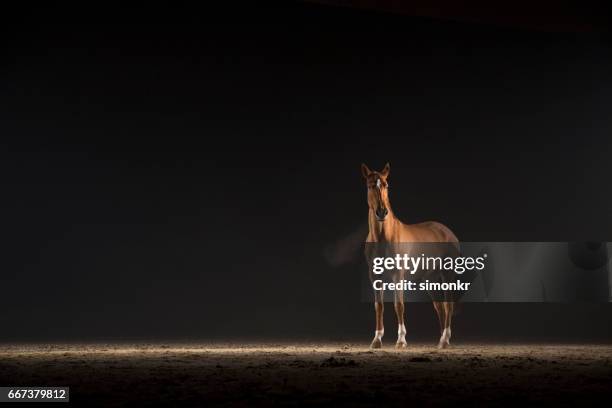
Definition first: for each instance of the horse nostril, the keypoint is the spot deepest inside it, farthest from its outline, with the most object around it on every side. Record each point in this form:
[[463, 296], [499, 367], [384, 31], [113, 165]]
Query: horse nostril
[[381, 212]]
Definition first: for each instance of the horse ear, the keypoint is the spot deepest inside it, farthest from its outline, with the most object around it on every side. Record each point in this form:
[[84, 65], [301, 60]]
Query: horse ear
[[386, 170], [365, 171]]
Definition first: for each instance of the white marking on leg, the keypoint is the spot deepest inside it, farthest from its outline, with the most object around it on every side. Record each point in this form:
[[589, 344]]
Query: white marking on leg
[[401, 333], [378, 334], [445, 338], [446, 334]]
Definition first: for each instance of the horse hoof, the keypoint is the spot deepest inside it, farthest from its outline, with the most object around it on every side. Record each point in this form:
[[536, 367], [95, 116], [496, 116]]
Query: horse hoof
[[443, 345], [376, 344], [401, 345]]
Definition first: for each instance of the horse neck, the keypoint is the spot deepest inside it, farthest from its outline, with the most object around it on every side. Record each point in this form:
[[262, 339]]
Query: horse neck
[[382, 231]]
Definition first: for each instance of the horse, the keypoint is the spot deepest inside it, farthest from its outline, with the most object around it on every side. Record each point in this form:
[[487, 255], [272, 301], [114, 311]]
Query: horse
[[386, 228]]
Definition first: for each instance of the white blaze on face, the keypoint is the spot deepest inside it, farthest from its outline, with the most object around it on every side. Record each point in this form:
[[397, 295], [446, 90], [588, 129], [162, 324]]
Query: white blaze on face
[[378, 183]]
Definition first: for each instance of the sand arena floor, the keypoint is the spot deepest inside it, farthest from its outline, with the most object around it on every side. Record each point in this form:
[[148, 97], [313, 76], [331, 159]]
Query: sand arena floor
[[225, 374]]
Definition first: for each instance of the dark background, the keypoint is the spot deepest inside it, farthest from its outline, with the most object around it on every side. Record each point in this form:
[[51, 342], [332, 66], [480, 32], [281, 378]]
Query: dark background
[[171, 174]]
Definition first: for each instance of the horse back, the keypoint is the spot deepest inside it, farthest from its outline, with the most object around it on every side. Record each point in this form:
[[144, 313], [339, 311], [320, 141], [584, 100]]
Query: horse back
[[430, 231]]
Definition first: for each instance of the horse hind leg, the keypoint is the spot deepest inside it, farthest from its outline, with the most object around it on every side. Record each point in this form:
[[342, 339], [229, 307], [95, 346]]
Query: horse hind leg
[[446, 333]]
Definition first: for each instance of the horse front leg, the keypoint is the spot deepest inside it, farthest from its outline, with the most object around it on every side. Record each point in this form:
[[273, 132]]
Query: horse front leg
[[379, 307], [399, 311], [439, 308]]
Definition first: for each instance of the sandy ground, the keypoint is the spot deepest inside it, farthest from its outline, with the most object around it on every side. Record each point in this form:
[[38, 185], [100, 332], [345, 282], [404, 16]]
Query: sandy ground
[[334, 374]]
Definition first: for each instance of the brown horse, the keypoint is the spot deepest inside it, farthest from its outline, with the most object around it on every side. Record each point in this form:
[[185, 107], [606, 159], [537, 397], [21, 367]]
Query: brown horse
[[386, 228]]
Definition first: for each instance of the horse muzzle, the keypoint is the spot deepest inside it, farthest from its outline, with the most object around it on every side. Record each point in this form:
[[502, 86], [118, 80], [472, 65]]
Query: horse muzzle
[[381, 213]]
